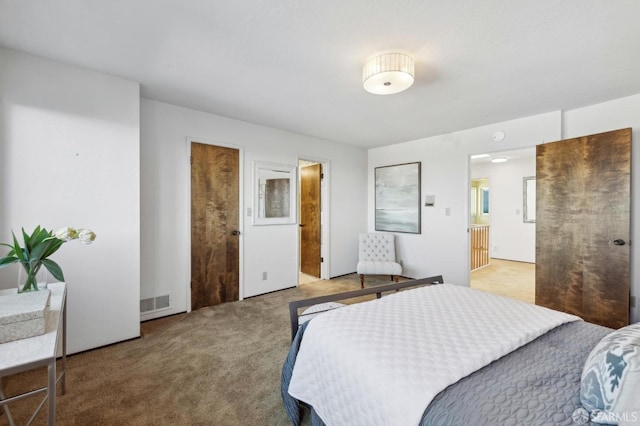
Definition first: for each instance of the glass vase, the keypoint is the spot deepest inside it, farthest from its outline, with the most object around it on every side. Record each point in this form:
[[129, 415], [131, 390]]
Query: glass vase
[[30, 281]]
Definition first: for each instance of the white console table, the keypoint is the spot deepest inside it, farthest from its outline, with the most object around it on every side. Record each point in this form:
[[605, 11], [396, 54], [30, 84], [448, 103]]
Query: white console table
[[26, 354]]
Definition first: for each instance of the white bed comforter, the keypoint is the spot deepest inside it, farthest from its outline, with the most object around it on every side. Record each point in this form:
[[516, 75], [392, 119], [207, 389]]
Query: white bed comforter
[[382, 362]]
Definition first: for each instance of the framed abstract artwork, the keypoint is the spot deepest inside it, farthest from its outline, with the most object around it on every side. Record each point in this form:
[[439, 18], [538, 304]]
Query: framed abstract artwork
[[397, 198]]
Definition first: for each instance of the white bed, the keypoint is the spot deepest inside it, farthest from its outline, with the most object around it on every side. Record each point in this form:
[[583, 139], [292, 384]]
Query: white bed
[[394, 360]]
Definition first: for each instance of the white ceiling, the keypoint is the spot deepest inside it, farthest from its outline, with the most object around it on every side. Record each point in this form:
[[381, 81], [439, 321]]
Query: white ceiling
[[296, 64]]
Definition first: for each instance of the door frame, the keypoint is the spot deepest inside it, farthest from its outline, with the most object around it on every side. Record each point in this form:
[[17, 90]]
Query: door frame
[[491, 152], [189, 141], [325, 226]]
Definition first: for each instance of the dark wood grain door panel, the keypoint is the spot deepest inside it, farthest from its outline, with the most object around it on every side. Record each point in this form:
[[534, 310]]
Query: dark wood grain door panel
[[310, 218], [583, 206], [560, 203], [607, 270], [214, 225]]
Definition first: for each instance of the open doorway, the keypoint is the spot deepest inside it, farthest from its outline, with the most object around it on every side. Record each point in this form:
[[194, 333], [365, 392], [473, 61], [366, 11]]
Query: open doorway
[[313, 226], [502, 233]]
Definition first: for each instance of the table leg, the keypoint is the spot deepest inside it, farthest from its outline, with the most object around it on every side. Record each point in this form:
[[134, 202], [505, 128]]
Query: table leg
[[51, 393], [64, 347], [5, 407]]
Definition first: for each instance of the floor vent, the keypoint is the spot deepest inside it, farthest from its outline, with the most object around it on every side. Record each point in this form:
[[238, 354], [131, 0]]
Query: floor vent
[[155, 303]]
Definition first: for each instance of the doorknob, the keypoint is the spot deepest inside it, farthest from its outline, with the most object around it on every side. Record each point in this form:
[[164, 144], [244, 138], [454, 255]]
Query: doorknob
[[235, 232], [301, 225], [619, 242]]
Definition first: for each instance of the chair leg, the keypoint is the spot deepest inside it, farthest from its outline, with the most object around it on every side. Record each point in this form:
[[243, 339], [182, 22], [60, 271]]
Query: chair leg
[[361, 280]]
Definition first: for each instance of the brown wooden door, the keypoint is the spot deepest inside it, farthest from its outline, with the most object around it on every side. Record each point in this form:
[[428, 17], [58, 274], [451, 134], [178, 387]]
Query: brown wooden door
[[214, 225], [310, 180], [582, 226]]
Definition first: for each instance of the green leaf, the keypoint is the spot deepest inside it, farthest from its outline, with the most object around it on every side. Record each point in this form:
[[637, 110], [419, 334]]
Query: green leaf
[[54, 268], [12, 251], [53, 245], [35, 231], [27, 241], [38, 238], [6, 261], [18, 252], [25, 236], [38, 252]]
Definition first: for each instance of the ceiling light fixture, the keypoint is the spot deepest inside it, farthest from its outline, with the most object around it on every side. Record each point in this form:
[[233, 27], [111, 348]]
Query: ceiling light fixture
[[499, 160], [477, 156], [387, 74]]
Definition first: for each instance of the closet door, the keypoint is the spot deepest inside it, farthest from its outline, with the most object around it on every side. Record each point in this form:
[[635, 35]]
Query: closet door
[[582, 226], [215, 236]]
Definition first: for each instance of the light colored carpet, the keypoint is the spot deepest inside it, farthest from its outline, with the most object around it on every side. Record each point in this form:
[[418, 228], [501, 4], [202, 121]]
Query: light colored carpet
[[507, 278], [216, 366]]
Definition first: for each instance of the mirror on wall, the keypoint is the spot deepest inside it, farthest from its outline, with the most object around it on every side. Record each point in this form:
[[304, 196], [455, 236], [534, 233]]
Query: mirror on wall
[[529, 199], [274, 193], [484, 200]]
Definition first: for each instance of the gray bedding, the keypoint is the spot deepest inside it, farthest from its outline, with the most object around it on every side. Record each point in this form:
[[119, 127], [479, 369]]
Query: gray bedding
[[537, 384]]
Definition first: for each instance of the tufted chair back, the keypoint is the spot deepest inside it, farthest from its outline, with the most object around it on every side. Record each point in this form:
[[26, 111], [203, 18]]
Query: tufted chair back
[[377, 247]]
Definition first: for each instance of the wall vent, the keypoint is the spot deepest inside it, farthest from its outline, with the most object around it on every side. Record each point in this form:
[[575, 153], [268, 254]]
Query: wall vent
[[157, 303], [146, 305], [163, 302]]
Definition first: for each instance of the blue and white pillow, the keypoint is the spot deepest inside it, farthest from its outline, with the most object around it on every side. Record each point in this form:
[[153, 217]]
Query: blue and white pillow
[[610, 384]]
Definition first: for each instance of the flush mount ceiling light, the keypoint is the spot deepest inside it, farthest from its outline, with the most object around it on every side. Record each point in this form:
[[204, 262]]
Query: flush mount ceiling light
[[387, 74], [499, 160]]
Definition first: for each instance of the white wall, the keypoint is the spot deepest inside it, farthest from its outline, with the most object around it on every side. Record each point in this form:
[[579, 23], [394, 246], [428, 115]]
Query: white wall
[[69, 156], [510, 237], [443, 245], [165, 200], [618, 114]]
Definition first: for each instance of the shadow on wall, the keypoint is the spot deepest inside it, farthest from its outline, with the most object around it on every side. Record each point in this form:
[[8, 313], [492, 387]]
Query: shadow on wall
[[10, 273]]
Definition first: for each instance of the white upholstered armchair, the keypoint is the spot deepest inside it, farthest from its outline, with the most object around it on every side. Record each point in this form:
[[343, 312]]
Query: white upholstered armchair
[[377, 256]]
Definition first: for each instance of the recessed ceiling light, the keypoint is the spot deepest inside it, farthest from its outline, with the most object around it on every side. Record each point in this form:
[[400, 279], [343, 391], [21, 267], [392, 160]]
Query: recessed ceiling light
[[476, 156], [499, 159]]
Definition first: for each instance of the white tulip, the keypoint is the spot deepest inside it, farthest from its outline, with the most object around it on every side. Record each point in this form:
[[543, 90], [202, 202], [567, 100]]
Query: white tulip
[[66, 234], [86, 236]]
